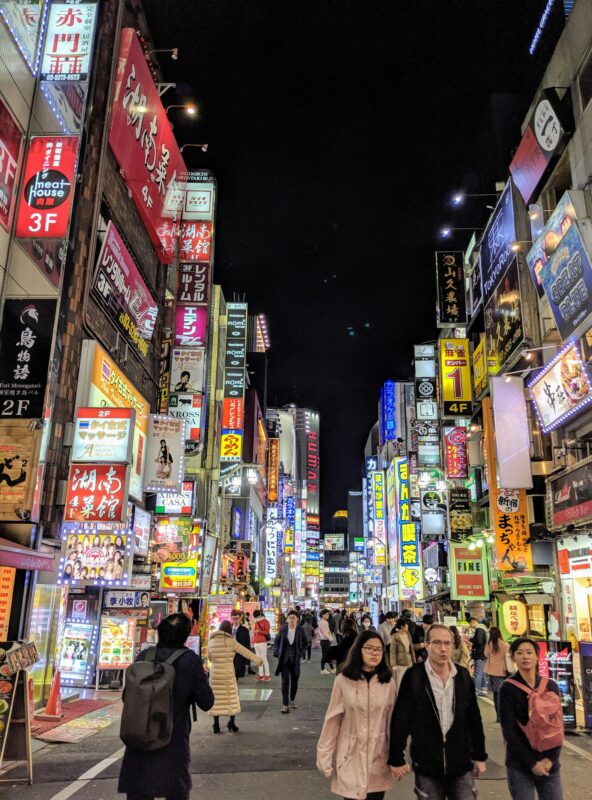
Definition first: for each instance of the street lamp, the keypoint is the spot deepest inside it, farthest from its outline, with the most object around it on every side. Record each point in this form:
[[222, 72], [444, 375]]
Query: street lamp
[[516, 246], [459, 198], [190, 108], [204, 147], [445, 232], [174, 51]]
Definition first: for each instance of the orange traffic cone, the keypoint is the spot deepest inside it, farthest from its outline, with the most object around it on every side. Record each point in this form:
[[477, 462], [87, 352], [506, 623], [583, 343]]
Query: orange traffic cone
[[53, 709]]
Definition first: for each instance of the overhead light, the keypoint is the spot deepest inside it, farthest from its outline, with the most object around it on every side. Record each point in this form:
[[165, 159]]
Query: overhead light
[[445, 232], [457, 199]]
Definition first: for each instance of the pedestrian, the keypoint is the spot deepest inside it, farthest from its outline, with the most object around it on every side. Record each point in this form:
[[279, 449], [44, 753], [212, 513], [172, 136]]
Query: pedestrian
[[308, 630], [367, 624], [242, 636], [327, 639], [381, 619], [289, 649], [351, 749], [261, 636], [222, 651], [496, 652], [146, 774], [437, 707], [386, 628], [460, 652], [478, 643], [418, 637], [402, 653], [339, 652], [532, 771]]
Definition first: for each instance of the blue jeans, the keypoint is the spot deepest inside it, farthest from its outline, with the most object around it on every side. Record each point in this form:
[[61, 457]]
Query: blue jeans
[[524, 786], [479, 677], [462, 788]]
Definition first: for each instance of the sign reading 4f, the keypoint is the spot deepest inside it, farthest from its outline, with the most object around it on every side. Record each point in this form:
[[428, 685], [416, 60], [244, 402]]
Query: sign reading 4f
[[456, 377]]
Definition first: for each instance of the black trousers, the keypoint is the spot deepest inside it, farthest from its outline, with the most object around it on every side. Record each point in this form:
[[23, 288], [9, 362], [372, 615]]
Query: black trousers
[[325, 645], [309, 651], [290, 676], [151, 797], [372, 796]]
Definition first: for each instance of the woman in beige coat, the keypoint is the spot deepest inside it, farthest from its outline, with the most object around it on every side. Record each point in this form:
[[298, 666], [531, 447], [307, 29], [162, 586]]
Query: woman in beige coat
[[354, 743], [402, 653], [222, 648]]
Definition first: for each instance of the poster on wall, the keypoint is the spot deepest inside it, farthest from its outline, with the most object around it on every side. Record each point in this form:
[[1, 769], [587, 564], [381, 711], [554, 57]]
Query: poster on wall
[[76, 656], [165, 465], [116, 649], [103, 434], [11, 138], [95, 557], [187, 369]]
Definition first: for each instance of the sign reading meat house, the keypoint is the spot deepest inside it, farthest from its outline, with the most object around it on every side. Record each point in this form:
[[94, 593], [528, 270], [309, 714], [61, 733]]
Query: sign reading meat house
[[145, 148]]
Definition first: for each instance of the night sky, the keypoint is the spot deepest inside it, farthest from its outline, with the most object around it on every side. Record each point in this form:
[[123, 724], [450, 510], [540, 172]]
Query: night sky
[[338, 131]]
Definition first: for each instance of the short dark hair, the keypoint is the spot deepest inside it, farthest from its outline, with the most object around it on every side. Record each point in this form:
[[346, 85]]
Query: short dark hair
[[428, 619], [353, 666], [390, 615], [292, 613], [225, 626], [256, 613], [437, 625], [174, 630], [523, 640], [236, 613], [402, 622], [473, 619]]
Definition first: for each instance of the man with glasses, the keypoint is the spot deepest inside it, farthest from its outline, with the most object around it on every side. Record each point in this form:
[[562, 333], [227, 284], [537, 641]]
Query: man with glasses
[[437, 707]]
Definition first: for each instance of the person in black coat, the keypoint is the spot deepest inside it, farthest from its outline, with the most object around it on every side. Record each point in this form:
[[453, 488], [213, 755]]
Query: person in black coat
[[289, 648], [165, 772], [241, 634], [339, 652]]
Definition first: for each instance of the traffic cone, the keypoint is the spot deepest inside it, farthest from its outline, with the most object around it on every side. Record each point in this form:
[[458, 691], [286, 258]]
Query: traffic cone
[[53, 709]]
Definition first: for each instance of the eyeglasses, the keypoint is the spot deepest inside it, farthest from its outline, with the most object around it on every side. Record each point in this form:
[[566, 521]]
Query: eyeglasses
[[438, 643], [373, 650]]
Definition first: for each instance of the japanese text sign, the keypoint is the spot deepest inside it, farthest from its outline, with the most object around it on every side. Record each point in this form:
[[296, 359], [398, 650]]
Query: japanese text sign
[[410, 561], [68, 41], [450, 280], [271, 553], [178, 576], [561, 389], [459, 513], [145, 148], [200, 196], [515, 617], [176, 503], [555, 228], [19, 451], [165, 462], [103, 434], [496, 251], [504, 329], [479, 368], [97, 493], [188, 407], [388, 412], [25, 345], [273, 470], [231, 445], [195, 242], [10, 147], [313, 467], [456, 376], [23, 20], [7, 576], [47, 187], [455, 448], [233, 412], [121, 291], [187, 369], [468, 573], [190, 325], [193, 283]]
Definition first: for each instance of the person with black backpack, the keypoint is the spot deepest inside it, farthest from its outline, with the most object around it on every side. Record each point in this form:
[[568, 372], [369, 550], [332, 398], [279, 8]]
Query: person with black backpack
[[161, 686]]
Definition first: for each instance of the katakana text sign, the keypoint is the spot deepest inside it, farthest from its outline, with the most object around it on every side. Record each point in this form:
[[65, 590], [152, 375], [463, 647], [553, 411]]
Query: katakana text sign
[[193, 283]]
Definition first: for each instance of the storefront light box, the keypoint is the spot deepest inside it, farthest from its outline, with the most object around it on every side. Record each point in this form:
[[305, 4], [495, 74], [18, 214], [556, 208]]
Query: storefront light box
[[95, 556]]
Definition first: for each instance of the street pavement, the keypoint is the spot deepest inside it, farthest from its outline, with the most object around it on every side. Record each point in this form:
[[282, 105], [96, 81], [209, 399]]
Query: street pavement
[[272, 756]]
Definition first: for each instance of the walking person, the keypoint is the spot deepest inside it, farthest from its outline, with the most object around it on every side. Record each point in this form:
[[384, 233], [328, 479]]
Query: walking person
[[386, 628], [418, 637], [367, 624], [308, 630], [222, 651], [460, 652], [437, 707], [242, 636], [353, 745], [339, 652], [327, 639], [261, 636], [532, 726], [402, 654], [146, 774], [478, 643], [496, 652], [289, 649]]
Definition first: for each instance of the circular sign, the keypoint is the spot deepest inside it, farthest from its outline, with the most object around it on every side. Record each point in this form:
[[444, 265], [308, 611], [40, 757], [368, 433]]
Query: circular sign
[[425, 388], [547, 127], [431, 575], [47, 189]]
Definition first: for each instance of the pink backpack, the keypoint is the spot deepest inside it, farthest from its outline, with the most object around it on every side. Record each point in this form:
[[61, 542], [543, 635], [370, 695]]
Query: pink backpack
[[544, 729]]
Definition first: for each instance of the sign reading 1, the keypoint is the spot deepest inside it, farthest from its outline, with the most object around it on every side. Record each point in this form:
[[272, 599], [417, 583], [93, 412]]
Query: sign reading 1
[[456, 377]]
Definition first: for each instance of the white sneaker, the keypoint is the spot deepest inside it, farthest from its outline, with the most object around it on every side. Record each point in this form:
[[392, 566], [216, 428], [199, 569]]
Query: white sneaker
[[325, 672]]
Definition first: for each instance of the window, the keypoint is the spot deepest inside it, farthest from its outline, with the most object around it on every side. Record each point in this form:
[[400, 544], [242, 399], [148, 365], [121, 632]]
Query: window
[[585, 81]]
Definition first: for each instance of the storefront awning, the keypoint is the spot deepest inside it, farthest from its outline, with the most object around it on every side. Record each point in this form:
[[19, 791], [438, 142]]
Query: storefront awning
[[16, 555], [538, 599]]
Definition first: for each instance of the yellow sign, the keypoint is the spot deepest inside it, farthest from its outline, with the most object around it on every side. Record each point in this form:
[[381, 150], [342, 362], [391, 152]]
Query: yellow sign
[[231, 446], [455, 371], [479, 368], [19, 453], [515, 617], [178, 576]]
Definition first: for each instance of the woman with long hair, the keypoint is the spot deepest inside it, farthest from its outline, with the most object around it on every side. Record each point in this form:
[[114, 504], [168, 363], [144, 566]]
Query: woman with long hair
[[402, 653], [496, 651], [339, 652], [460, 652], [354, 743]]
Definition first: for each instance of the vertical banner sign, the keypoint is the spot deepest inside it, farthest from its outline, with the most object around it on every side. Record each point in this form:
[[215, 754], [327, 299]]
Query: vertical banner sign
[[468, 573], [410, 563], [508, 511], [273, 470], [165, 465], [560, 668], [271, 553], [504, 327], [19, 451], [25, 346], [313, 465], [512, 430], [455, 447], [456, 377], [379, 518], [388, 412], [480, 375], [97, 493], [231, 443], [193, 283], [68, 41], [47, 188], [450, 280], [200, 196], [459, 513], [392, 532], [10, 148], [586, 669], [187, 370]]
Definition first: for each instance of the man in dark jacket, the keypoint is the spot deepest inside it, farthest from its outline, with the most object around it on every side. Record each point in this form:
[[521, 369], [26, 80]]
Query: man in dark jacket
[[478, 643], [241, 634], [289, 648], [418, 637], [165, 772], [437, 707]]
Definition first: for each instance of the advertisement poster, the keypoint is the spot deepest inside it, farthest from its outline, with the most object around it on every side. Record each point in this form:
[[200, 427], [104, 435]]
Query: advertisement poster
[[116, 650], [93, 556], [68, 41], [219, 613], [141, 531], [25, 345], [10, 148], [187, 370], [207, 563], [179, 576], [188, 407], [459, 513], [193, 283], [48, 187], [23, 20], [19, 451], [586, 668], [558, 665], [167, 551], [144, 146], [75, 658], [450, 282], [97, 493], [334, 541], [190, 325], [571, 495], [455, 451], [7, 575], [176, 502], [504, 330], [121, 291], [165, 460], [495, 252], [468, 573], [561, 388], [546, 244], [103, 434], [455, 367]]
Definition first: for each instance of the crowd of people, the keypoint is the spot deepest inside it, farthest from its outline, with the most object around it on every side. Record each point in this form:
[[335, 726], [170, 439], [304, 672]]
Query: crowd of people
[[403, 683]]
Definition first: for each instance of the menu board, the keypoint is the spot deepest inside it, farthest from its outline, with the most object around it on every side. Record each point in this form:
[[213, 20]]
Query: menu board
[[116, 650], [76, 651], [6, 587], [8, 681]]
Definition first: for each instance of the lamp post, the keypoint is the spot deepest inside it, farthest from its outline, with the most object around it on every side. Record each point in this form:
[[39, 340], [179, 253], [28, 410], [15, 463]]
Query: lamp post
[[203, 147], [190, 108]]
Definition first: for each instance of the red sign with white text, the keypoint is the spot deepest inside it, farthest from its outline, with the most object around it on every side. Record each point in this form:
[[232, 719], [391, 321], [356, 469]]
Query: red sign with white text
[[233, 412], [195, 242], [10, 145], [97, 492], [455, 446], [145, 148], [48, 188]]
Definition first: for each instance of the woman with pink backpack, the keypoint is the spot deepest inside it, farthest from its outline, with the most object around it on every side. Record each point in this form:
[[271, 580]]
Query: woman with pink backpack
[[532, 725]]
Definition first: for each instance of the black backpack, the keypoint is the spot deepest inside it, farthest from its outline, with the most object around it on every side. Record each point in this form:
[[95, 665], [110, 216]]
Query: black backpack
[[147, 716]]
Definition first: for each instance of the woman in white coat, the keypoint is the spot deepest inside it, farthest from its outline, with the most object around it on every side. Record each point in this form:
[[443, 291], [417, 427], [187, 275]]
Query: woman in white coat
[[354, 743], [222, 648]]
